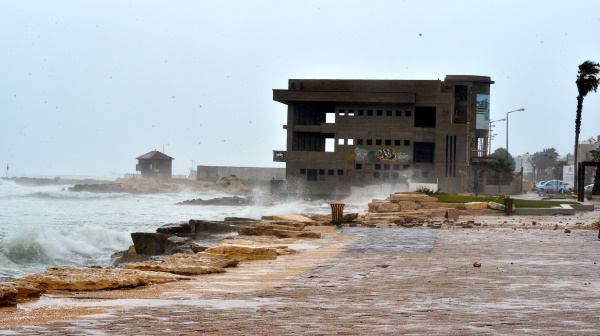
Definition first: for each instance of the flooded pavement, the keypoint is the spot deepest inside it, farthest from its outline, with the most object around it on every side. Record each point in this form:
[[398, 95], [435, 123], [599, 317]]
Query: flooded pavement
[[390, 240], [394, 281]]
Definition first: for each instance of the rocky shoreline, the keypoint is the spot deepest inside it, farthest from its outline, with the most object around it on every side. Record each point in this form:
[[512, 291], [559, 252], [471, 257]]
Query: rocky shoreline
[[172, 254]]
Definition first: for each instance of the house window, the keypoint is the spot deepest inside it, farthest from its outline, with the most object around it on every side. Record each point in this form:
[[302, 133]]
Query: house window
[[396, 142], [377, 166], [388, 142], [340, 141], [378, 142], [369, 112], [350, 142], [425, 116], [321, 171], [395, 175], [376, 174], [386, 175], [351, 113], [358, 166], [396, 167], [386, 167], [369, 142], [340, 172], [330, 172], [423, 152], [379, 113], [359, 142], [302, 171], [406, 142], [406, 167], [388, 113], [398, 113], [407, 113], [425, 174], [360, 112]]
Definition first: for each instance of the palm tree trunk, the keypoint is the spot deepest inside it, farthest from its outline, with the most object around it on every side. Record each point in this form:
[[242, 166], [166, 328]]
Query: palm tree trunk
[[577, 130]]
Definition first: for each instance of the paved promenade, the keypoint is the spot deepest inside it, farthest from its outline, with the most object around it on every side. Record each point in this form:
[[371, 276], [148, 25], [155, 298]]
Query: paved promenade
[[531, 282]]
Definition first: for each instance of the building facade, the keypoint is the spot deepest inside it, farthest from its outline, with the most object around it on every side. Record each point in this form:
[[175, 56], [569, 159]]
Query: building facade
[[155, 165], [344, 133]]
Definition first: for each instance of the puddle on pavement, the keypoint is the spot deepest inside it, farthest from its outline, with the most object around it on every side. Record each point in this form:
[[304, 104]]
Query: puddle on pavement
[[46, 302], [391, 240]]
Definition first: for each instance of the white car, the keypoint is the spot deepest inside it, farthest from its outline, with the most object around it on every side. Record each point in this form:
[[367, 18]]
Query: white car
[[554, 185]]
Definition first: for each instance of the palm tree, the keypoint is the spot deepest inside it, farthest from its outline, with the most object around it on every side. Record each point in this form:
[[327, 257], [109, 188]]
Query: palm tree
[[587, 81]]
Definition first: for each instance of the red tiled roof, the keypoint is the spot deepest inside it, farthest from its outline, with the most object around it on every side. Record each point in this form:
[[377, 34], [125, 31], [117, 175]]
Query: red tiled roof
[[155, 155]]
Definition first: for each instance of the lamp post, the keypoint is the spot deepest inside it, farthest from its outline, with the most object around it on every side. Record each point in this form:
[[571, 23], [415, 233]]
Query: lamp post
[[521, 109], [490, 136]]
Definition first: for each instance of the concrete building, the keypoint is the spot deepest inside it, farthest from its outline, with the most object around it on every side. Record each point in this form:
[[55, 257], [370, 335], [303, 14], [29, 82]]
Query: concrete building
[[155, 164], [344, 133]]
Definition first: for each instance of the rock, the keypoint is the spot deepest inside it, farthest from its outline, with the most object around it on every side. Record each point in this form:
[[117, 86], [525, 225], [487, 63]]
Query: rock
[[476, 264], [245, 252], [495, 206], [128, 256], [202, 226], [408, 205], [186, 264], [281, 231], [452, 214], [176, 244], [8, 294], [197, 248], [349, 217], [231, 184], [27, 290], [411, 197], [176, 228], [389, 207], [235, 200], [476, 205], [149, 243], [294, 218], [66, 278]]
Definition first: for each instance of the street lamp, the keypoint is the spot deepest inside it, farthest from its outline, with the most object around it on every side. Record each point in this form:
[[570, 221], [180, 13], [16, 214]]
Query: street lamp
[[490, 136], [521, 109]]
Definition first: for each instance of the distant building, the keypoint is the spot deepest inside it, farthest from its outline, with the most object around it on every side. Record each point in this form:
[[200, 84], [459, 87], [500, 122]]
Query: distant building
[[345, 133], [155, 165]]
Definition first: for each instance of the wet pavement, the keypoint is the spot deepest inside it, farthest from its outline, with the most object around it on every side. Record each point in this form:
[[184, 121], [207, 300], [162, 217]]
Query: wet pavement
[[416, 282]]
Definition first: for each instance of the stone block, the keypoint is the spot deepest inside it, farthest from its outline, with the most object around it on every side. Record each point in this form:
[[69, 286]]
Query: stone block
[[408, 205], [149, 243], [245, 252], [476, 205], [399, 197], [388, 207], [452, 214]]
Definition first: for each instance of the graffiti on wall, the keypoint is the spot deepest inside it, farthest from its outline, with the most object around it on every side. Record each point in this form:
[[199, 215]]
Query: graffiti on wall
[[385, 154]]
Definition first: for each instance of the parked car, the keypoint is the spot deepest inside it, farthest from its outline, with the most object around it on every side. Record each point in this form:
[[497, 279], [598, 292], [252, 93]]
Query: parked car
[[553, 185], [536, 185]]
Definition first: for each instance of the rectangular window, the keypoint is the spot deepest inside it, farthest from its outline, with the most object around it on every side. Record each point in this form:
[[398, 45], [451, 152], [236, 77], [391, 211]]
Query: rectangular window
[[388, 142], [377, 166], [396, 167], [376, 174], [350, 142], [386, 166], [359, 142], [423, 152], [351, 113], [398, 113], [368, 166], [388, 113], [360, 112], [369, 112], [406, 167], [340, 141], [330, 172], [311, 175], [407, 113], [340, 172], [386, 175], [378, 142], [358, 166], [425, 116], [396, 142], [341, 112], [321, 171], [369, 142], [379, 113], [395, 175], [425, 174], [330, 145], [302, 171], [406, 142]]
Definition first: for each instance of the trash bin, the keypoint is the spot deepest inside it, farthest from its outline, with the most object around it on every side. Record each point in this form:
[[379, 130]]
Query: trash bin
[[508, 205], [337, 212]]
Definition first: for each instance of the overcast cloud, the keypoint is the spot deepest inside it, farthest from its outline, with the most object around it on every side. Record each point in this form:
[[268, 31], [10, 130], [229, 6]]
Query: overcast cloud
[[87, 86]]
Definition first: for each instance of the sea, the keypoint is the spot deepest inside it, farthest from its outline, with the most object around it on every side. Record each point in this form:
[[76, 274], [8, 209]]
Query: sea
[[47, 226]]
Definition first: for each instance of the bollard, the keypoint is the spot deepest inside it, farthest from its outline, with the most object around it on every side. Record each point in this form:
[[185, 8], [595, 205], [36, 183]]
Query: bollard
[[508, 205], [337, 212]]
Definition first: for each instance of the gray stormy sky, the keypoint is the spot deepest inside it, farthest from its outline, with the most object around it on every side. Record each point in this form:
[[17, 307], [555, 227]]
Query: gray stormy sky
[[87, 86]]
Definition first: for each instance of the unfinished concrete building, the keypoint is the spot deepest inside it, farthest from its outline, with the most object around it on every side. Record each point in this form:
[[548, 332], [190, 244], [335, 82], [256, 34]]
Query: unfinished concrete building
[[344, 133]]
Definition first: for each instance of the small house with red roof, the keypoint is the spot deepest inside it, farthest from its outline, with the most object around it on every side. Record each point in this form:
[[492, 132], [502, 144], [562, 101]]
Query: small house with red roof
[[155, 165]]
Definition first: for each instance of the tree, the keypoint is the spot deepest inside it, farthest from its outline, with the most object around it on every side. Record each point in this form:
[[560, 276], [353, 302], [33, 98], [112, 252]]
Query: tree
[[543, 161], [587, 81], [502, 171]]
